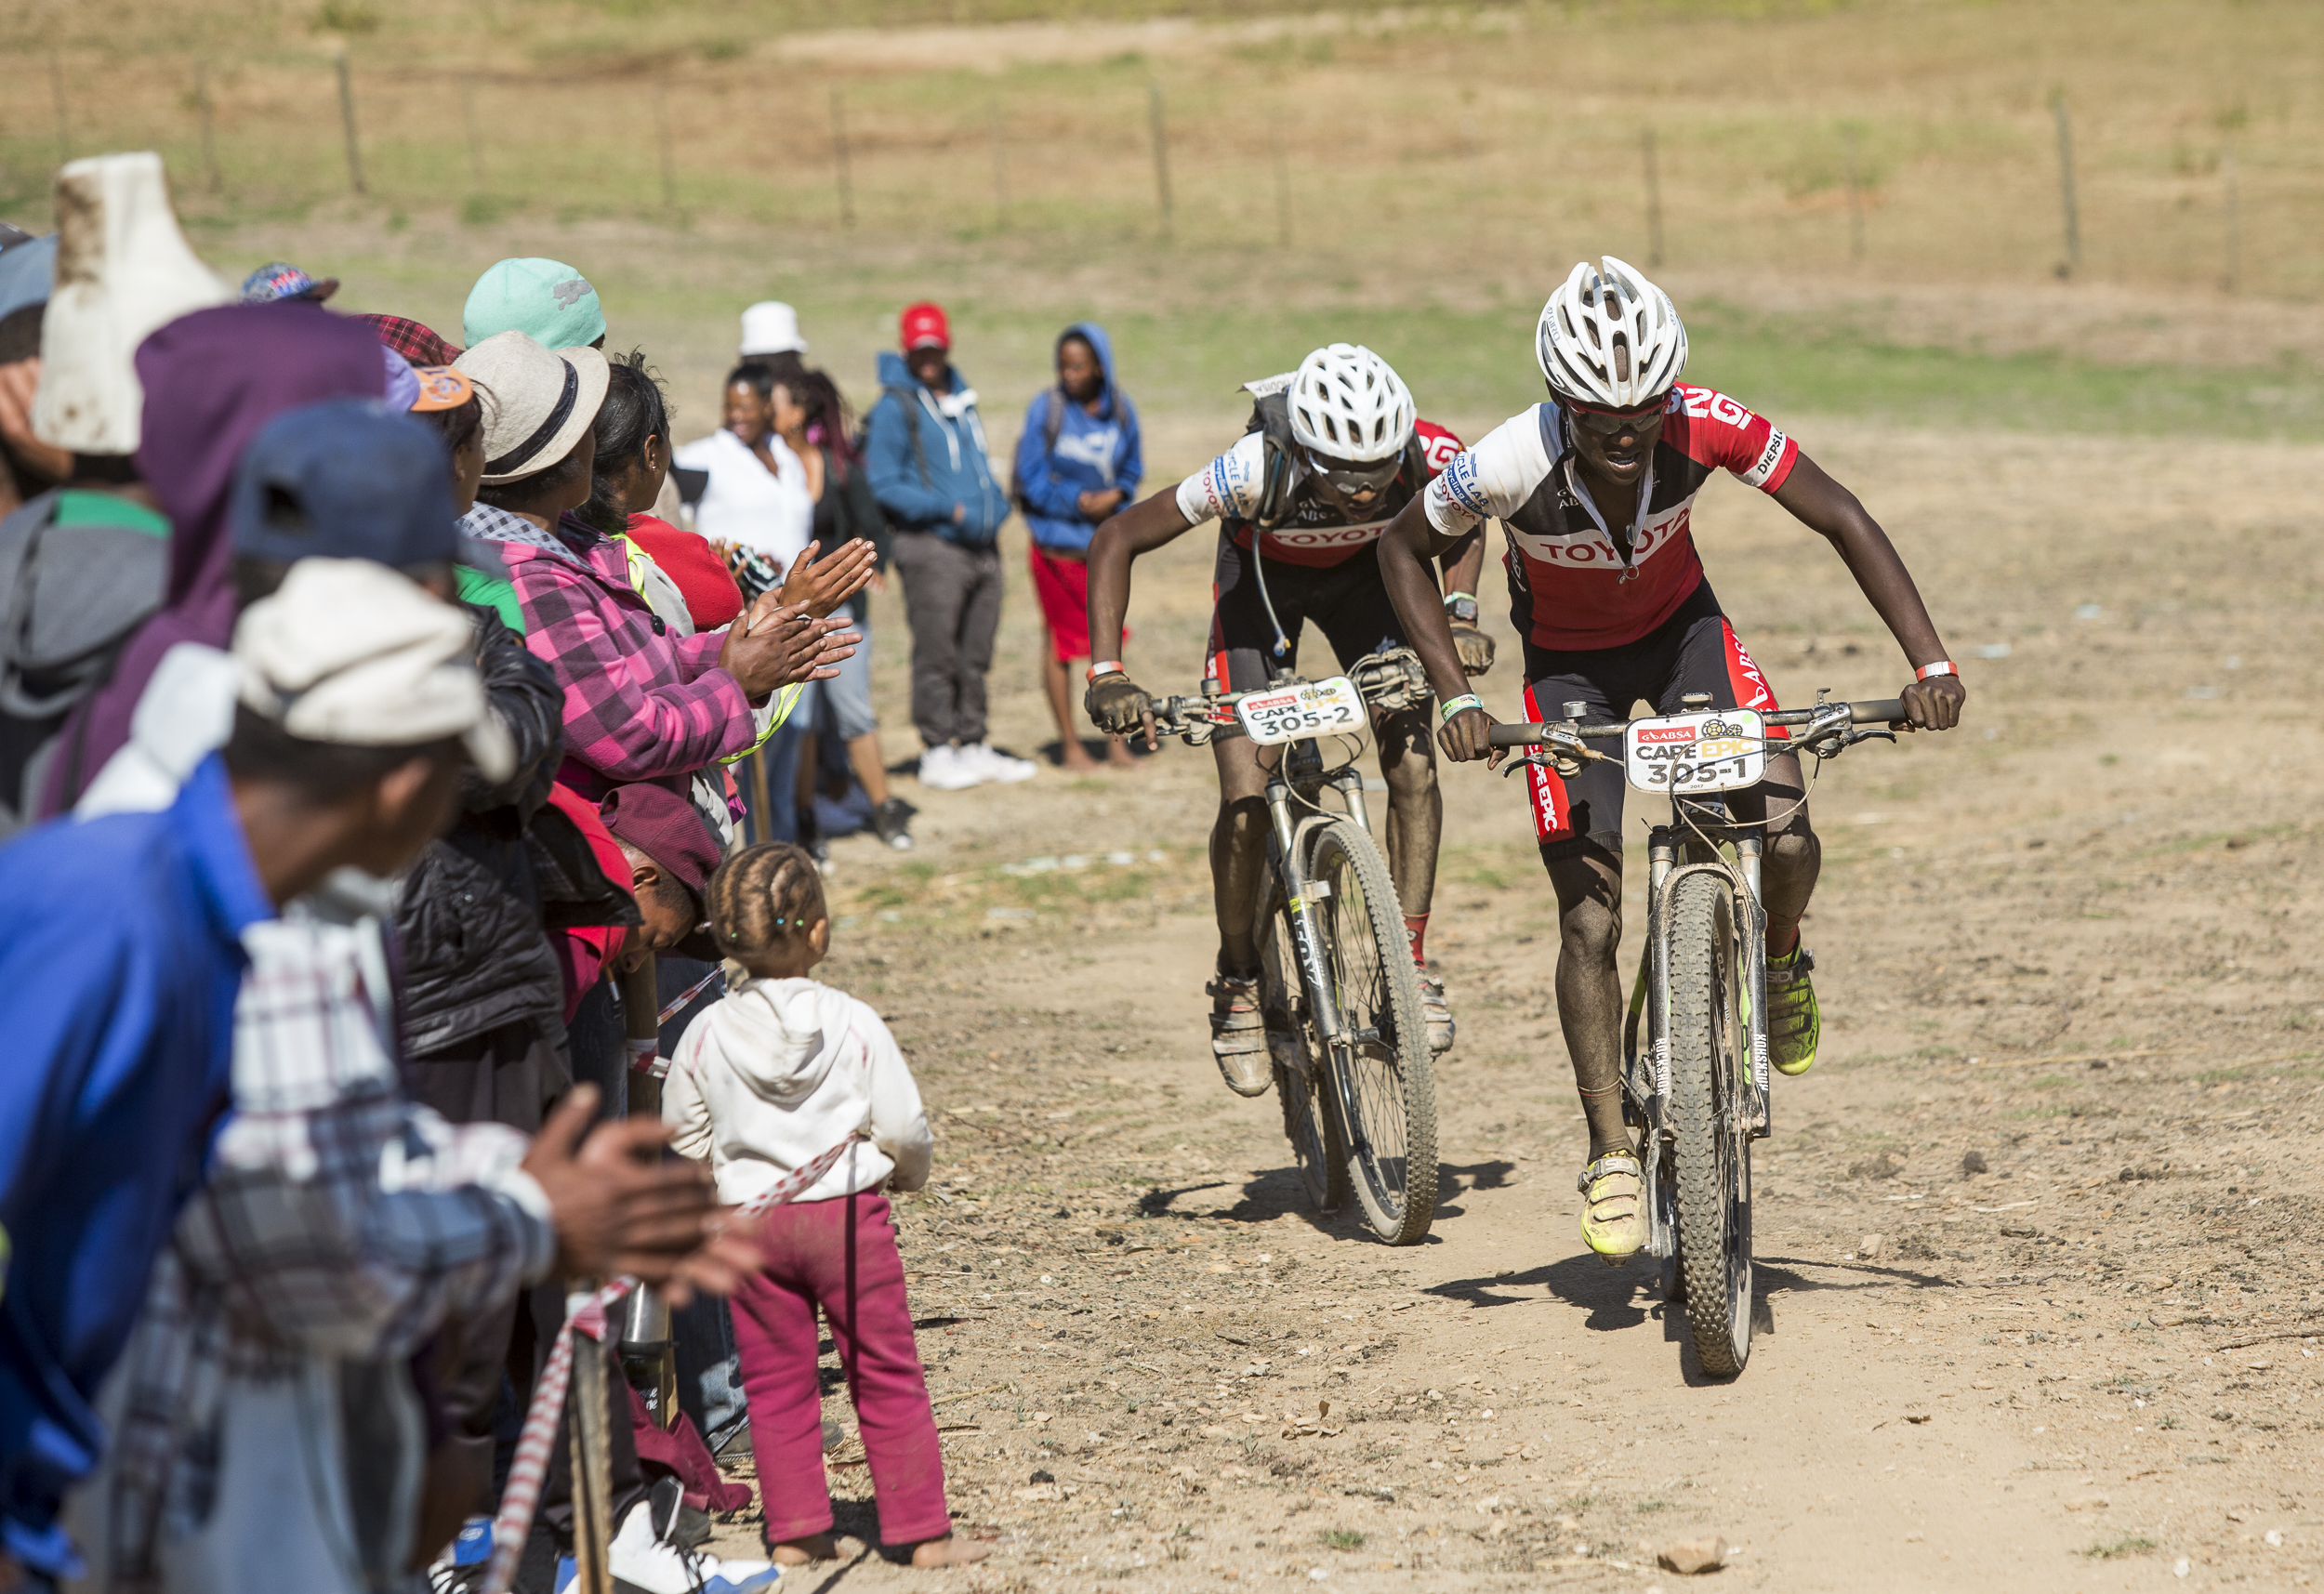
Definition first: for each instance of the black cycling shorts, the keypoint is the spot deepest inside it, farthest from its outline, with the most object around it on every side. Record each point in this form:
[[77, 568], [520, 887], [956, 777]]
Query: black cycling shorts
[[1347, 600], [1695, 650]]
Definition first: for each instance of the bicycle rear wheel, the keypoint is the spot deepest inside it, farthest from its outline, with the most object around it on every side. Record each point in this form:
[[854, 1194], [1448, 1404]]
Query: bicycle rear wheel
[[1301, 1081], [1382, 1074], [1712, 1148]]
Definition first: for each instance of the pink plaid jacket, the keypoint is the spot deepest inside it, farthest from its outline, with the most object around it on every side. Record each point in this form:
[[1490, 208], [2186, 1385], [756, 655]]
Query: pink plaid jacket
[[641, 704]]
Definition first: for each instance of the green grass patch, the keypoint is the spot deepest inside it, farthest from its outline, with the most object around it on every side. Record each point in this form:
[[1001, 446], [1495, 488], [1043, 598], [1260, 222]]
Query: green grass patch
[[1340, 1538], [2120, 1549]]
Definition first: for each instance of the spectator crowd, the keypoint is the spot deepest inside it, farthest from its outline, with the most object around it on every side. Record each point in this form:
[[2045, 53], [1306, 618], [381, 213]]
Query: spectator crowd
[[398, 740]]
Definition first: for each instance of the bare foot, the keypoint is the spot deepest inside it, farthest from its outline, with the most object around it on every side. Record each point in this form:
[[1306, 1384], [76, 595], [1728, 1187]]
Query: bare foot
[[1077, 762], [800, 1552], [1117, 754], [949, 1551]]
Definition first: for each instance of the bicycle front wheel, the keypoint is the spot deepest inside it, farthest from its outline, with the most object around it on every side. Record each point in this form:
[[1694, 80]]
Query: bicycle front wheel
[[1381, 1072], [1712, 1147], [1302, 1083]]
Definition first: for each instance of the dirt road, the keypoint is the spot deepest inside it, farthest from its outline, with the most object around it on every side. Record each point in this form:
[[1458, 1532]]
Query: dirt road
[[2066, 943]]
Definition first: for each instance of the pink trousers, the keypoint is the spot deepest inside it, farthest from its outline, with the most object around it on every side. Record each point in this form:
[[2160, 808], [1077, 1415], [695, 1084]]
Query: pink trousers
[[841, 1255]]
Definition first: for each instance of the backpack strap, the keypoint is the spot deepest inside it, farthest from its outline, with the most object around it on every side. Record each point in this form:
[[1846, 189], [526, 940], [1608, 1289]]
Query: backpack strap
[[909, 403]]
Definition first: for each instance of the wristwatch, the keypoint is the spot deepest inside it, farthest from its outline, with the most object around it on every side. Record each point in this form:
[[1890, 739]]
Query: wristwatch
[[1461, 606]]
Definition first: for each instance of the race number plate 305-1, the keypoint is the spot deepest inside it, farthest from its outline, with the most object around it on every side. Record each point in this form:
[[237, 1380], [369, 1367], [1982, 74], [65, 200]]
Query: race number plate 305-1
[[1312, 709], [1714, 752]]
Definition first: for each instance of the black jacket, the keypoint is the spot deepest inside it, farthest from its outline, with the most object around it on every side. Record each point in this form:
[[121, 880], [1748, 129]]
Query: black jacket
[[472, 915]]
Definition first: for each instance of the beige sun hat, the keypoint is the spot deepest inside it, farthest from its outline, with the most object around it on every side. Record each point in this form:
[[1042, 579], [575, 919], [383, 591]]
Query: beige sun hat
[[124, 269], [354, 654], [536, 404]]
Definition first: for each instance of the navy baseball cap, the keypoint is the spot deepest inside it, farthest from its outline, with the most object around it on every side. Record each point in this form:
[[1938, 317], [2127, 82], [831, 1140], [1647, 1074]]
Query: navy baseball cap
[[344, 479]]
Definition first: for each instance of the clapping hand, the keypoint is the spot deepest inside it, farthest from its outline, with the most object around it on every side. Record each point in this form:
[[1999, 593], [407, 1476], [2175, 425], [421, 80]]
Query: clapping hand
[[821, 585]]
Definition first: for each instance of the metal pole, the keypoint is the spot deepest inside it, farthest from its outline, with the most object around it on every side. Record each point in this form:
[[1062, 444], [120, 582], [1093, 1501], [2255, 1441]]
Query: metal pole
[[201, 104], [1161, 156], [2234, 217], [647, 1354], [347, 121], [475, 139], [1653, 203], [1856, 201], [1000, 164], [661, 134], [2066, 184], [1283, 179], [56, 89], [839, 156], [1469, 146]]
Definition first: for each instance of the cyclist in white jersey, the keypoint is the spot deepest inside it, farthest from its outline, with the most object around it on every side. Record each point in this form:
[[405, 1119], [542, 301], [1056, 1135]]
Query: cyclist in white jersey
[[1335, 450], [1595, 491]]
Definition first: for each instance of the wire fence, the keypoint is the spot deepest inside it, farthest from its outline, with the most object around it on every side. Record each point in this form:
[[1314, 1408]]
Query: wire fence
[[1133, 151]]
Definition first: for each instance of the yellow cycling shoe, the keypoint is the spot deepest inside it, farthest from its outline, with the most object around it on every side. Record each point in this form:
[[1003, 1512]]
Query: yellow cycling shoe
[[1614, 1206], [1794, 1022]]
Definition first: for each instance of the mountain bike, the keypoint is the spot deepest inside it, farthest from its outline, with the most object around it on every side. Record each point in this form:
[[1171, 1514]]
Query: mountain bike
[[1695, 1073], [1339, 992]]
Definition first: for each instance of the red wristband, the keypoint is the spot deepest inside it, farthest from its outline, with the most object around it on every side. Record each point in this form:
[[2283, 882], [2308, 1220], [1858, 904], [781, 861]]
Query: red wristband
[[1103, 666], [1942, 667]]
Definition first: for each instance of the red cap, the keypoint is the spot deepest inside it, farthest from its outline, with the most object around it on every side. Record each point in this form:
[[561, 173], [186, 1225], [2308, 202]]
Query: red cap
[[924, 326]]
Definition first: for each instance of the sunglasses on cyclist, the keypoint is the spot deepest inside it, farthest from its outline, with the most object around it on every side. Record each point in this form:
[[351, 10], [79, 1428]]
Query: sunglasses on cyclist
[[1347, 480], [1613, 423]]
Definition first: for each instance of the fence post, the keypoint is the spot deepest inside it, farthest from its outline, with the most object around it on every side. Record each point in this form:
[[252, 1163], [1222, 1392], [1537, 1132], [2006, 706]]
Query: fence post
[[475, 139], [838, 155], [1856, 201], [2073, 261], [1161, 156], [1653, 203], [56, 91], [1469, 146], [661, 136], [202, 105], [2234, 216], [1283, 178], [347, 122], [1000, 165]]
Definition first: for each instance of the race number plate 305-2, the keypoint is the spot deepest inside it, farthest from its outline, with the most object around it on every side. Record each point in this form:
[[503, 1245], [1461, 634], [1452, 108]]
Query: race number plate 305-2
[[1312, 709], [1714, 752]]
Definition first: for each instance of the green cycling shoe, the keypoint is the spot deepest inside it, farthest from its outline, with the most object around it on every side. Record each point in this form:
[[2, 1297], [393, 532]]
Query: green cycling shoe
[[1794, 1022]]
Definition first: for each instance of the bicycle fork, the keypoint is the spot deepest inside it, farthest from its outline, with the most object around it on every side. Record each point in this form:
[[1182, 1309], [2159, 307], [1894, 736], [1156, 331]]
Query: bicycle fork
[[1301, 895]]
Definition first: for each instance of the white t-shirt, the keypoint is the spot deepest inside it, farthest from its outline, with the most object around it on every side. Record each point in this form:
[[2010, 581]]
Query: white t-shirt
[[746, 503]]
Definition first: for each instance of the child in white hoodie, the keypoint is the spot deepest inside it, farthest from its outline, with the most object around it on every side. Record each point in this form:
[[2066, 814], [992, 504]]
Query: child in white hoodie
[[764, 1083]]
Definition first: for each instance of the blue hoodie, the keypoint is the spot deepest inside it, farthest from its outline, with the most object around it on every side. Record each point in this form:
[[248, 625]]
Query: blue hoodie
[[1093, 451], [919, 485]]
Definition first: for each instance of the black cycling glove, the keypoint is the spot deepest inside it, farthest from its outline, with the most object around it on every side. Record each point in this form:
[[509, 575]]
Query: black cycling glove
[[1118, 704]]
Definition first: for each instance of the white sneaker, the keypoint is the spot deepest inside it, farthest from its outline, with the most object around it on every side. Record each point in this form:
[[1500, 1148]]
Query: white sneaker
[[999, 768], [646, 1564], [948, 769]]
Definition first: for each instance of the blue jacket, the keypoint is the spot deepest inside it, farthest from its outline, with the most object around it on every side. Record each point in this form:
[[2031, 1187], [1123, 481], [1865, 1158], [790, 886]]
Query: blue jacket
[[923, 461], [120, 959], [1092, 452]]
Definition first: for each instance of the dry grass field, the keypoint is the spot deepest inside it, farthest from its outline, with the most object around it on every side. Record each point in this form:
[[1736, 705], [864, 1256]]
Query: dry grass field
[[2070, 938]]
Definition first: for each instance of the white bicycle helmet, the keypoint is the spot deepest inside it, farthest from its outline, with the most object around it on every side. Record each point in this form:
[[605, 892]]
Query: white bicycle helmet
[[1347, 403], [1610, 337]]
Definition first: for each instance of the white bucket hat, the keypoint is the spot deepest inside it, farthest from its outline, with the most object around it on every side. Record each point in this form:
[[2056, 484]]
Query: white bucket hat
[[536, 404], [770, 327], [351, 652], [124, 269]]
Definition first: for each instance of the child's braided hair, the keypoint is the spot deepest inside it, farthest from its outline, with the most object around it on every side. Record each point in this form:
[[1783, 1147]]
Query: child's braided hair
[[763, 896]]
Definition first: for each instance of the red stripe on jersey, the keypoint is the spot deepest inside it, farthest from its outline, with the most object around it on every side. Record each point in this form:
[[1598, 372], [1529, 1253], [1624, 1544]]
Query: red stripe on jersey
[[1328, 542], [1552, 810]]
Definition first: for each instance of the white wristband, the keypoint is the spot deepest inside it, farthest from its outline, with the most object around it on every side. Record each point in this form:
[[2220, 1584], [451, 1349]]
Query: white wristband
[[1461, 705], [1104, 667], [1942, 667]]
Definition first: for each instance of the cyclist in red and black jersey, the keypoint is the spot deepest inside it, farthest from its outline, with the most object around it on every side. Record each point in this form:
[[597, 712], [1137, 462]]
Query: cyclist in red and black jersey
[[1594, 491], [1336, 452]]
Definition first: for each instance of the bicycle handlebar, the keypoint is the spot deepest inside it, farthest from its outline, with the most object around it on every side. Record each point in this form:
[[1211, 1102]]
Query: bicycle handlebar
[[1882, 711]]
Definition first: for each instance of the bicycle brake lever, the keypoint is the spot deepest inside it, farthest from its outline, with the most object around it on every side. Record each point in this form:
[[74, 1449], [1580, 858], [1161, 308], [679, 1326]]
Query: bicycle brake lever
[[1866, 735]]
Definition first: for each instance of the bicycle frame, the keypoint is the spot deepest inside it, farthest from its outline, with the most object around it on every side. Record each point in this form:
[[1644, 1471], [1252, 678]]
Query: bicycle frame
[[1283, 853]]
